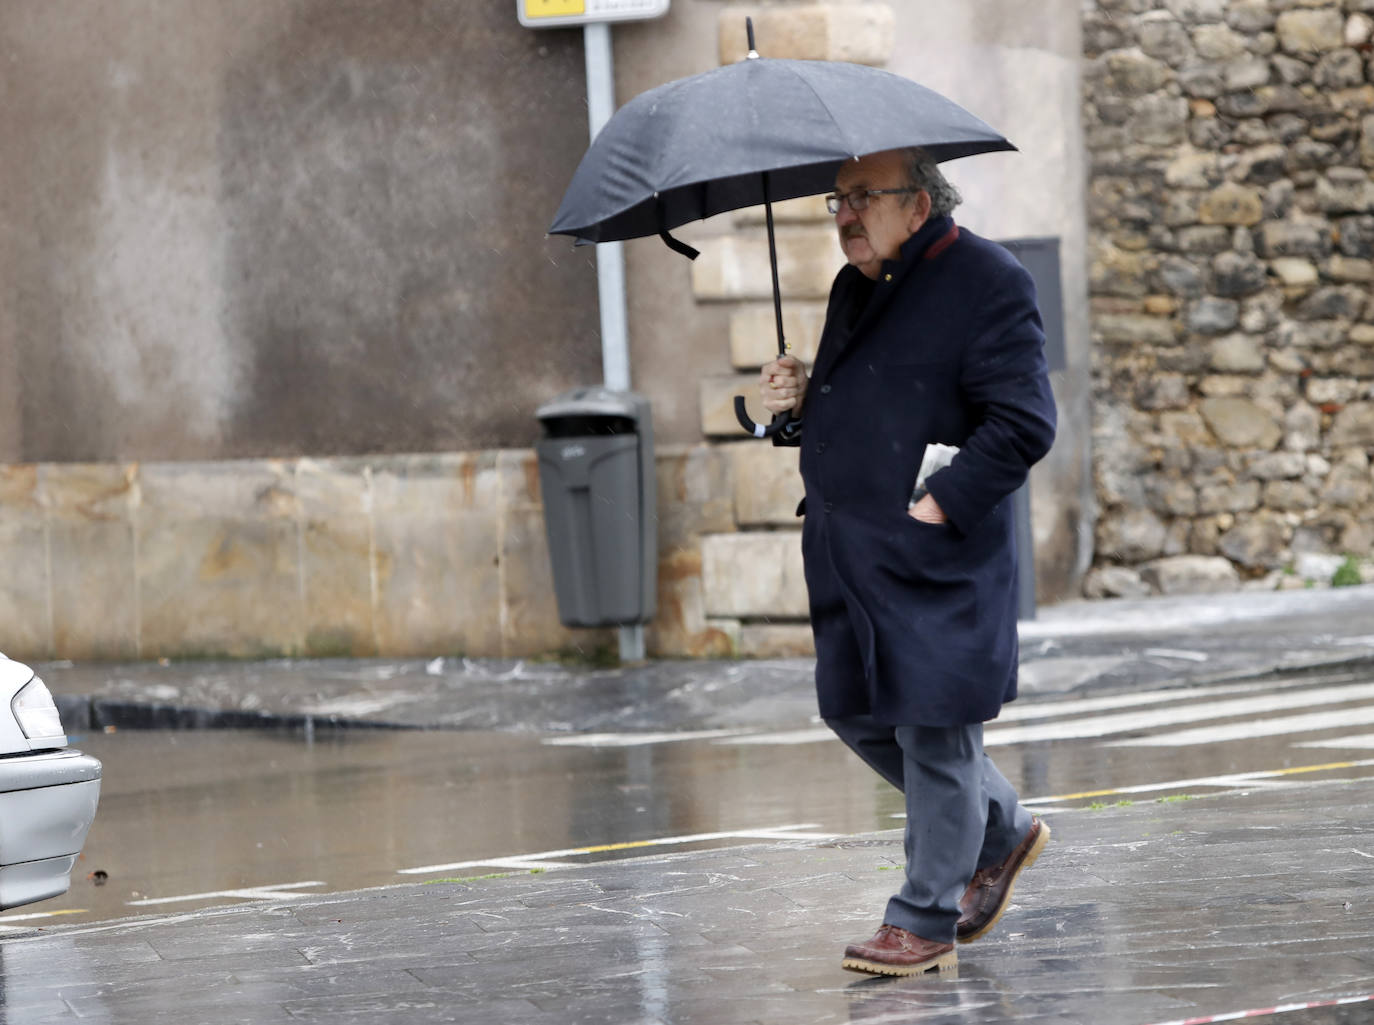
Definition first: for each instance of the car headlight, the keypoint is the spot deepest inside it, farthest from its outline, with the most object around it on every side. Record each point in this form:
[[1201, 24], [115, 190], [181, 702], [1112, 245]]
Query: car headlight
[[36, 713]]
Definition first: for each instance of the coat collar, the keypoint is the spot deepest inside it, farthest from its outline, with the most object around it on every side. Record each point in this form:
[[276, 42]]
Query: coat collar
[[930, 240]]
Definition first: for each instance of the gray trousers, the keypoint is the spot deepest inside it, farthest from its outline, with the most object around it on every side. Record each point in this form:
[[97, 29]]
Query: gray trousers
[[961, 814]]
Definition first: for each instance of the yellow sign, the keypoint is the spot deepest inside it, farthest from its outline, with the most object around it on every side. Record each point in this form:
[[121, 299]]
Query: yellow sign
[[554, 8]]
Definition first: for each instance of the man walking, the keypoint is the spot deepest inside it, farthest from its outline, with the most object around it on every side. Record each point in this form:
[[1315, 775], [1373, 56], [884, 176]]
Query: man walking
[[932, 338]]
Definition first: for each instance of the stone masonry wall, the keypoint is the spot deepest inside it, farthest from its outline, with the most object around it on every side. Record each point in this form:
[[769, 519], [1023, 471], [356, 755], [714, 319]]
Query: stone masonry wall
[[1231, 212]]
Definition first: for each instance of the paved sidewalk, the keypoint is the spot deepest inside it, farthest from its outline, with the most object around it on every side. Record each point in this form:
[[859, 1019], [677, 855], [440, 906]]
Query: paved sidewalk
[[1070, 648], [1154, 912]]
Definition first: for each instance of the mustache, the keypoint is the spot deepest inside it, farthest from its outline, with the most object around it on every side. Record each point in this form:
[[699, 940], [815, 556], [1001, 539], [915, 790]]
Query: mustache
[[852, 231]]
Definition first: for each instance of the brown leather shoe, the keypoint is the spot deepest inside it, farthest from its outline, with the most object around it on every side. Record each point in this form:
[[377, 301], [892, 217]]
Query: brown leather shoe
[[894, 951], [989, 893]]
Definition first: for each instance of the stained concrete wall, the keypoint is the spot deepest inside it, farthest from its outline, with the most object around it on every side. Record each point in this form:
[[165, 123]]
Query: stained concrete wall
[[283, 227], [250, 238]]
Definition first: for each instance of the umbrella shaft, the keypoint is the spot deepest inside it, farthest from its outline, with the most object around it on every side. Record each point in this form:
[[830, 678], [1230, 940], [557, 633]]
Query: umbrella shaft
[[773, 263]]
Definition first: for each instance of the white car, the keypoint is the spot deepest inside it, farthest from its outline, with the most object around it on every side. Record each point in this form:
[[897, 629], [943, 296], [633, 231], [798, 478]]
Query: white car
[[48, 793]]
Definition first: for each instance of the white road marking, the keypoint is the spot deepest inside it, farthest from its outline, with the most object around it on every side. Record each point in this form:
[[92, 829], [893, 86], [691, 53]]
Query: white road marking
[[636, 739], [526, 862], [1144, 719], [1057, 710], [278, 892], [1362, 740], [1255, 728], [1261, 776]]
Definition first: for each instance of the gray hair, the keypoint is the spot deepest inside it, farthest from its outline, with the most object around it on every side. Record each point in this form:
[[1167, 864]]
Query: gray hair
[[923, 173]]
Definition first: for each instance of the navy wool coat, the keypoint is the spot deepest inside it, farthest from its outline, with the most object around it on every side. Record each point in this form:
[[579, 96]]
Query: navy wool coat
[[915, 624]]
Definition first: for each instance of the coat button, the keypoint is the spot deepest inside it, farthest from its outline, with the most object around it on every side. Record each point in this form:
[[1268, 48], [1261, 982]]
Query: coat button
[[828, 507], [887, 277], [820, 447], [825, 389]]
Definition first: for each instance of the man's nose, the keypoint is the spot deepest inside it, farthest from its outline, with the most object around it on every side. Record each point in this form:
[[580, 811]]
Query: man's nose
[[845, 214]]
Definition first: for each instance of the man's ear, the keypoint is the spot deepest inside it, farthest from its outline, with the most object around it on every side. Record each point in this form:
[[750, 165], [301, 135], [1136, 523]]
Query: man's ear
[[920, 209]]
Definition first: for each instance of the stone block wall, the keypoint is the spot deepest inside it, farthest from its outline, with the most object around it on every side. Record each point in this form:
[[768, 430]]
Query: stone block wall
[[1231, 212]]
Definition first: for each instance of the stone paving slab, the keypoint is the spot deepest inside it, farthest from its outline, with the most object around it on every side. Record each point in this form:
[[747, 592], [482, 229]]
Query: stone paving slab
[[1136, 914]]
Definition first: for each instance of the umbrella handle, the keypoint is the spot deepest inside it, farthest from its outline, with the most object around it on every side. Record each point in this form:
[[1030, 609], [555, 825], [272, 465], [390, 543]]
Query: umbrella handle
[[780, 421]]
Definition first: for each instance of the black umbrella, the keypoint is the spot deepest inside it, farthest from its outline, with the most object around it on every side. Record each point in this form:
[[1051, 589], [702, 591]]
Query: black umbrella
[[749, 134]]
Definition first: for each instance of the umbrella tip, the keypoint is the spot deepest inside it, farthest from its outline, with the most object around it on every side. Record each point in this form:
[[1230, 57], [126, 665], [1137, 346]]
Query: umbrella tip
[[749, 28]]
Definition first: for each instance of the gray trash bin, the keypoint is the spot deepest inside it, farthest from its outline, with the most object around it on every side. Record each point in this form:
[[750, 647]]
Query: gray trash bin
[[596, 470]]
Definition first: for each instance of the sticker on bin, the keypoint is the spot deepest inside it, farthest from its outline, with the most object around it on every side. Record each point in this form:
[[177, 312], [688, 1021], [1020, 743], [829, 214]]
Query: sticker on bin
[[573, 452]]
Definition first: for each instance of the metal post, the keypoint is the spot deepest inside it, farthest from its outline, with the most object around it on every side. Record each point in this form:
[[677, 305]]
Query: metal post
[[610, 256], [610, 263]]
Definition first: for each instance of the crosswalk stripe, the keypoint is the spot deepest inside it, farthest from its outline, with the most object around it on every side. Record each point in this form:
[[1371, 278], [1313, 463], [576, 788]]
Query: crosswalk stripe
[[1362, 740], [1144, 719], [1255, 728]]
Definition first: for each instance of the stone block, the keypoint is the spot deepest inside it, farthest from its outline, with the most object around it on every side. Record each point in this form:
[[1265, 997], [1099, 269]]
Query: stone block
[[218, 560], [25, 590], [1345, 190], [1228, 498], [1114, 582], [718, 404], [1257, 542], [1294, 273], [336, 557], [767, 485], [529, 605], [733, 267], [1133, 536], [1310, 32], [754, 332], [1134, 73], [91, 508], [1294, 238], [1191, 574], [1134, 329], [776, 640], [1349, 269], [754, 575], [695, 494], [1354, 425], [437, 556], [681, 626], [1232, 204], [1218, 42], [1197, 12], [1240, 423], [861, 33], [1237, 354]]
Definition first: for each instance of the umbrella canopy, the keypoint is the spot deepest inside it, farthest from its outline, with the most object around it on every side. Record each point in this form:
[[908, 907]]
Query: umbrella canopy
[[701, 145]]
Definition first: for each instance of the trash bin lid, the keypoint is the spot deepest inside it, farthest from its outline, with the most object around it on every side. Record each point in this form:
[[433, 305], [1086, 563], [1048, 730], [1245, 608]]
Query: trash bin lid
[[593, 401]]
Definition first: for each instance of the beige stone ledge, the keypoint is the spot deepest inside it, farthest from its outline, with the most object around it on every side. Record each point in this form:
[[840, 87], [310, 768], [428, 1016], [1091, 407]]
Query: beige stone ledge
[[733, 267], [391, 555], [754, 575], [754, 332], [861, 33]]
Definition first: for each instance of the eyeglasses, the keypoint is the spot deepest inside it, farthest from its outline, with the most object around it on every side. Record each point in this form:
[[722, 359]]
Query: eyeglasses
[[858, 199]]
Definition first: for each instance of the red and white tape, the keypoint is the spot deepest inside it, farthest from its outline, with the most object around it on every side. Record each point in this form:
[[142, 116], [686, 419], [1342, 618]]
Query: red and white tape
[[1261, 1011]]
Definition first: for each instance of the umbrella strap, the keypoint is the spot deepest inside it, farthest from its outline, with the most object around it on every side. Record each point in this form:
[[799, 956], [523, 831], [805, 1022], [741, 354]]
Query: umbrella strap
[[675, 245]]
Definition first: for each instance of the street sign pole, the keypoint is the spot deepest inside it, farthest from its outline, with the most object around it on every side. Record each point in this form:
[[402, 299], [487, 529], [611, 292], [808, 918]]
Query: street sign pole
[[610, 256]]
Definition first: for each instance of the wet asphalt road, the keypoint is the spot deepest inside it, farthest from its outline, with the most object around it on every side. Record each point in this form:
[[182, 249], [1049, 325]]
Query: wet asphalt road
[[187, 817]]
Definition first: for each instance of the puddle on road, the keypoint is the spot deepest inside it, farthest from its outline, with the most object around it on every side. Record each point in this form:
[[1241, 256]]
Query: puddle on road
[[202, 812]]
